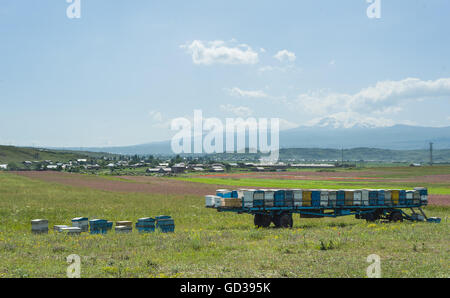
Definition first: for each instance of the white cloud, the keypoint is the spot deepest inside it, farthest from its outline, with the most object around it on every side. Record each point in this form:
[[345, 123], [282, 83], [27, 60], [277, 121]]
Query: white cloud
[[236, 92], [239, 111], [384, 97], [212, 52], [285, 55], [373, 104]]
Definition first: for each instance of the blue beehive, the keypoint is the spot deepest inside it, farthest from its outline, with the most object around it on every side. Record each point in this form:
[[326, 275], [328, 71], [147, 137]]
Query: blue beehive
[[402, 197], [381, 194], [278, 200], [289, 198], [340, 198], [98, 226], [373, 197], [165, 223], [315, 198], [145, 225]]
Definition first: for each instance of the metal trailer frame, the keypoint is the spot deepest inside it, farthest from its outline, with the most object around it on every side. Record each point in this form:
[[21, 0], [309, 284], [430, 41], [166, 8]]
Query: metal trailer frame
[[370, 213]]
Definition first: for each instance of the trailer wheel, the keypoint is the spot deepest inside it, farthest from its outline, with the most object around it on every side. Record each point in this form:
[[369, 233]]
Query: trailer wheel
[[276, 220], [286, 220], [266, 220], [396, 216], [258, 220]]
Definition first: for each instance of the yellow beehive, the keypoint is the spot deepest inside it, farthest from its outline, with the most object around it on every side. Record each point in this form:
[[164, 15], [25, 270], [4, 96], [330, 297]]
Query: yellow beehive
[[306, 198], [349, 197], [395, 195], [231, 202]]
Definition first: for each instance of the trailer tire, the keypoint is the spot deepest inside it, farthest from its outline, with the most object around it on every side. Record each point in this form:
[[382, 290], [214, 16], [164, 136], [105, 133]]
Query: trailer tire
[[258, 220], [267, 219], [276, 220], [286, 220]]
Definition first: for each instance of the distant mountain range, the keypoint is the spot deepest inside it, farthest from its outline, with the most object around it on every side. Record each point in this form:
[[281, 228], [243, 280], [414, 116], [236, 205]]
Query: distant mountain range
[[398, 137]]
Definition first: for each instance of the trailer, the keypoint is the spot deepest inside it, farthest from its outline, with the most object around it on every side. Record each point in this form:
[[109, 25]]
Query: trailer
[[271, 206]]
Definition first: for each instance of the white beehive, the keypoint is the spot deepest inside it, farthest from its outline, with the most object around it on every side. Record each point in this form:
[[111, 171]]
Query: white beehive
[[409, 194], [332, 195], [58, 228], [39, 226], [324, 197], [357, 197], [210, 201], [248, 197], [81, 222]]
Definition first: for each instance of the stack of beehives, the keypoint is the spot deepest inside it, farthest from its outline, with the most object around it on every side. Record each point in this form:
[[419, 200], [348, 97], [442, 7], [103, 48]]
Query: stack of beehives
[[124, 226], [39, 226], [145, 225], [165, 223], [320, 198], [98, 226], [81, 222]]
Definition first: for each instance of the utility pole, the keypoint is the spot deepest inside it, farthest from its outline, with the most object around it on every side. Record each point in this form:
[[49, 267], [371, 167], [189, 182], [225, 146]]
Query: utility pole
[[431, 154], [342, 156]]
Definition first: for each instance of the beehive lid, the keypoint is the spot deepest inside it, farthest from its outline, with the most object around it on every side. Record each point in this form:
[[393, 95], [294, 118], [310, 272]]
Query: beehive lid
[[124, 223]]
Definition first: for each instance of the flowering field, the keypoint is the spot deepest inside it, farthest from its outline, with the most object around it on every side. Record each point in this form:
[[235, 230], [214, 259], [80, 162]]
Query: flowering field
[[205, 243]]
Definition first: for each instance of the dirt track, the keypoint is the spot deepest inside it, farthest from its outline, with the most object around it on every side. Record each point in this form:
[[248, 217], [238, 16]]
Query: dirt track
[[146, 184], [149, 185]]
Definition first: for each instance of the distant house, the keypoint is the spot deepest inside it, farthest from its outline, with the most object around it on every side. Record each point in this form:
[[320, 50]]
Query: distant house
[[217, 169], [82, 160], [179, 168], [198, 169], [92, 167], [27, 163], [159, 170], [3, 166], [52, 167]]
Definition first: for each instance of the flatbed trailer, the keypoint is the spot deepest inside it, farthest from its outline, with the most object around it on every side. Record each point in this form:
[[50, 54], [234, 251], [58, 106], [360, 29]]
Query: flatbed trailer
[[282, 216]]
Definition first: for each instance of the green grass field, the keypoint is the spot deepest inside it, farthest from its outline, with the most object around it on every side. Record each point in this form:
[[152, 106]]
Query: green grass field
[[205, 243]]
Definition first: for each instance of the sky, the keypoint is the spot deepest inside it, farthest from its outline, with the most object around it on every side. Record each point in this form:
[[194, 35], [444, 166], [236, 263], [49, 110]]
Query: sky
[[121, 72]]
